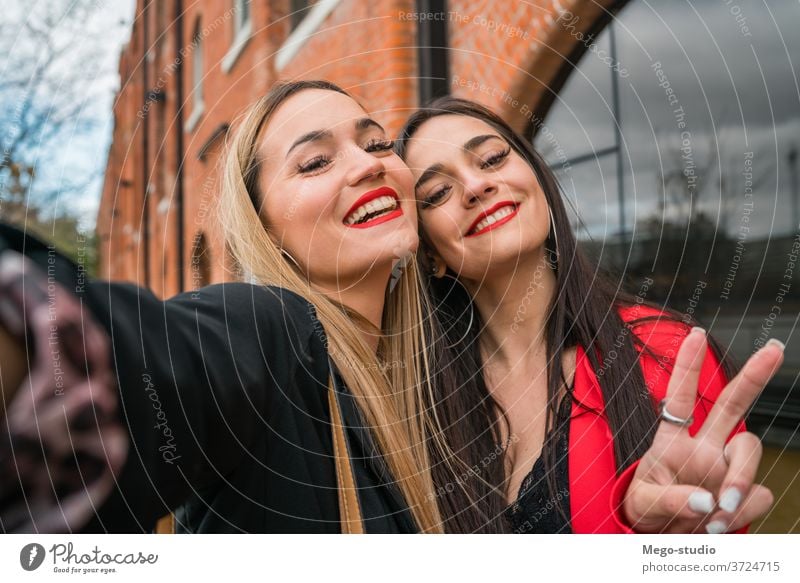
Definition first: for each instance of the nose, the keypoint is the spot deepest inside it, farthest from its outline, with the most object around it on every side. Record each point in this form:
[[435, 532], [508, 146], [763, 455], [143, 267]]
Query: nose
[[478, 188], [364, 166]]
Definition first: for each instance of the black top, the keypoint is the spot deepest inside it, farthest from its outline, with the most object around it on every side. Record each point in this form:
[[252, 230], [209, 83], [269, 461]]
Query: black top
[[240, 440], [536, 510]]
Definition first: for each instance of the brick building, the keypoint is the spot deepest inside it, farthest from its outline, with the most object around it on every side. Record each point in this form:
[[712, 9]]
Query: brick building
[[191, 67], [663, 121]]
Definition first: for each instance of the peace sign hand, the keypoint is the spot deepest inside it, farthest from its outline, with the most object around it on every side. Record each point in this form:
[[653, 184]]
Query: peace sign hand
[[700, 483]]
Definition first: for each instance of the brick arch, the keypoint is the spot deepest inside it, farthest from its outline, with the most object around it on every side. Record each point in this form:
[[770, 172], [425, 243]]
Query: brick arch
[[519, 76], [561, 55]]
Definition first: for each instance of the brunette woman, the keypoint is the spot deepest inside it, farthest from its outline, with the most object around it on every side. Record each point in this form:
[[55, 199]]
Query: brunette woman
[[566, 403]]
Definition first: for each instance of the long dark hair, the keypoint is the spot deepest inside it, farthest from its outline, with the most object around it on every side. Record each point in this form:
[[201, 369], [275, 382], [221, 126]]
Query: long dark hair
[[583, 311]]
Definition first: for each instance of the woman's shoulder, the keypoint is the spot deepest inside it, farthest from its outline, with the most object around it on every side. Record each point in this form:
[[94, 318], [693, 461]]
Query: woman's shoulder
[[659, 330], [658, 337], [269, 308], [273, 299]]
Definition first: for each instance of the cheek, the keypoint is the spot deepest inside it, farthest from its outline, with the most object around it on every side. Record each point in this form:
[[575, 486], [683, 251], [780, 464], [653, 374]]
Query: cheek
[[295, 214], [442, 231], [404, 178]]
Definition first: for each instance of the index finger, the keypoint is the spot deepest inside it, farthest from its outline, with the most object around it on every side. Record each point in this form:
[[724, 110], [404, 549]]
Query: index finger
[[682, 387], [739, 394]]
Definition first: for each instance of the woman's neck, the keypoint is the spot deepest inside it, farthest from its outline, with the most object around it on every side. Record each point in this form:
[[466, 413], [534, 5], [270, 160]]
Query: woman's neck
[[365, 297], [514, 308]]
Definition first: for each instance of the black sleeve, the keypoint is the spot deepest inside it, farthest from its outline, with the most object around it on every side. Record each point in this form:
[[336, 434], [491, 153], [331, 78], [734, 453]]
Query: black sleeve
[[196, 374]]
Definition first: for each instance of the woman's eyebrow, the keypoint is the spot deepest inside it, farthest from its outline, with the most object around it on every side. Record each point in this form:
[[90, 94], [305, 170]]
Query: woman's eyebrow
[[429, 173], [313, 136], [366, 123], [316, 135], [468, 146], [473, 143]]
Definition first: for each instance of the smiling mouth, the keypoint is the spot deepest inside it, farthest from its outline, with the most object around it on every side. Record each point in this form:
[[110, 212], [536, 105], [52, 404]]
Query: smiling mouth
[[374, 208], [493, 218]]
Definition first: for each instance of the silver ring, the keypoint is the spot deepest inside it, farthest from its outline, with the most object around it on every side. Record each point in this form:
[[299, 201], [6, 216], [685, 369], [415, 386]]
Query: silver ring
[[670, 418]]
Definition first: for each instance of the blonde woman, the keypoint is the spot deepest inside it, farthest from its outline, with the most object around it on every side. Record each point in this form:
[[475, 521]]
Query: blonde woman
[[220, 396]]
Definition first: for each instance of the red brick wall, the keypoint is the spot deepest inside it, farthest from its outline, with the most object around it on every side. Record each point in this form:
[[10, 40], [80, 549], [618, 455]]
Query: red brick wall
[[366, 48], [508, 55], [504, 54]]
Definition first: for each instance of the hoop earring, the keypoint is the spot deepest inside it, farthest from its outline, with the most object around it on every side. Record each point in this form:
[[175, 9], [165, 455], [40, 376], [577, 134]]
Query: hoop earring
[[471, 311], [552, 253], [288, 256]]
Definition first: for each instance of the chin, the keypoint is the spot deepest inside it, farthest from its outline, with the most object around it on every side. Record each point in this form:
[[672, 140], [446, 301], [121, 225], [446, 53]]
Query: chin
[[497, 262]]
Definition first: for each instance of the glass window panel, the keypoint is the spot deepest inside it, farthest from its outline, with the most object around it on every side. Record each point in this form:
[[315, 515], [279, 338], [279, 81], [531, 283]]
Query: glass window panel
[[710, 121]]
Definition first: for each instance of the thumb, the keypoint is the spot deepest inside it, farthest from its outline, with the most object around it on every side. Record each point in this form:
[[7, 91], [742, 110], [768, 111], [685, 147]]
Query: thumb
[[653, 507]]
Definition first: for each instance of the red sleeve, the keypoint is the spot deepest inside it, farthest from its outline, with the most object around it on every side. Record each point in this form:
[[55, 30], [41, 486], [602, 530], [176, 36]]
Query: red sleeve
[[663, 338], [618, 492]]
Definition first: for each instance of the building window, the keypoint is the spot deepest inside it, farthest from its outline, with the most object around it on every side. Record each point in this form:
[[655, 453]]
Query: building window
[[305, 18], [298, 10], [197, 78], [242, 31], [241, 20], [675, 141]]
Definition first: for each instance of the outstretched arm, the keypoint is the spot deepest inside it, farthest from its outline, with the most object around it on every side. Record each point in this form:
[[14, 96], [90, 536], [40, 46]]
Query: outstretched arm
[[195, 375], [12, 368]]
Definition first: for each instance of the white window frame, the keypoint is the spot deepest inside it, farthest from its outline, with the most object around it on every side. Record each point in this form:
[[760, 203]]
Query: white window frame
[[198, 105], [242, 31], [303, 32]]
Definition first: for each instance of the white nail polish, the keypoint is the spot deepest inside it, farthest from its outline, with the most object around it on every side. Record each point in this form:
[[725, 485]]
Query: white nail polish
[[701, 502], [716, 527], [776, 342], [698, 329], [729, 501]]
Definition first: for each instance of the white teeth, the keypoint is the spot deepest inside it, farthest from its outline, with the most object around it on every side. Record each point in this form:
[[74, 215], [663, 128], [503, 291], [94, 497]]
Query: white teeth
[[493, 218], [379, 205]]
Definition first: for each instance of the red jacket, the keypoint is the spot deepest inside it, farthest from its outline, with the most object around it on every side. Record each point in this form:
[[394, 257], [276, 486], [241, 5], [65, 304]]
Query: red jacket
[[596, 493]]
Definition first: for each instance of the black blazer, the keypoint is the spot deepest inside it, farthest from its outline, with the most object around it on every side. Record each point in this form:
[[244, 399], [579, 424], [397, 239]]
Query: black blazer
[[224, 393]]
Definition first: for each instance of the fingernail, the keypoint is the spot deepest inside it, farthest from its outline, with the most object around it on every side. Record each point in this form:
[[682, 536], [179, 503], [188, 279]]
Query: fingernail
[[701, 502], [776, 342], [698, 329], [729, 501], [716, 527], [10, 263]]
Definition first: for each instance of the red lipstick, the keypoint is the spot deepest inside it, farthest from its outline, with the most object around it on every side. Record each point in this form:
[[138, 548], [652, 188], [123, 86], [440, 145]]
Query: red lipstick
[[490, 211], [370, 196]]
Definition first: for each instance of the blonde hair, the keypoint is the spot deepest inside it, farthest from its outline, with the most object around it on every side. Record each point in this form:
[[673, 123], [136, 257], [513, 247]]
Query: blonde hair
[[392, 398]]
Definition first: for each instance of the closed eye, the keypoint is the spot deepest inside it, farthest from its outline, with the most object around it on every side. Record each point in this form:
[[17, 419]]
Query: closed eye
[[495, 159], [379, 145], [315, 165], [436, 197]]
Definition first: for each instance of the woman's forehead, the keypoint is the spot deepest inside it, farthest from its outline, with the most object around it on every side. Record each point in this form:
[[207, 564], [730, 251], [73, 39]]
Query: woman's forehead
[[308, 111], [444, 135]]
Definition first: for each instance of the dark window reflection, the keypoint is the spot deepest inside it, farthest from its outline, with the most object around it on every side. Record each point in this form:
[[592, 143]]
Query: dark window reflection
[[699, 192], [299, 10]]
